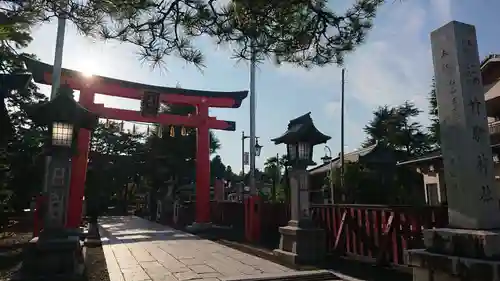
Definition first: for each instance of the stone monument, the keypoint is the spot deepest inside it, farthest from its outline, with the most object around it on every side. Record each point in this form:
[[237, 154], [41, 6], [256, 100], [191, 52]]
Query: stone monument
[[470, 248]]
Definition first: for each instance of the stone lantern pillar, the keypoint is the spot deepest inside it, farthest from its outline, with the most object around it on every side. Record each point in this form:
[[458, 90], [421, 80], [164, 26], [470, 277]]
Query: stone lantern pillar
[[63, 117], [57, 251], [301, 241]]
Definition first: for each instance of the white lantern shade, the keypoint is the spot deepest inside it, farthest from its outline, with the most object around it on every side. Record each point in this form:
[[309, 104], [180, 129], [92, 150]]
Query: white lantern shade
[[292, 151], [62, 134], [304, 151]]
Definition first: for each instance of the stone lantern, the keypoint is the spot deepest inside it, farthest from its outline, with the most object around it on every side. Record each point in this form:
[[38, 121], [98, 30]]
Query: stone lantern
[[9, 82], [63, 117], [301, 241], [57, 253]]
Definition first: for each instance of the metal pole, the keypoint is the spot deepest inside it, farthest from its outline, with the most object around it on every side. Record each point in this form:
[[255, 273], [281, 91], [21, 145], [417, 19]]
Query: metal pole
[[58, 55], [243, 154], [253, 190], [342, 131], [56, 74], [332, 191]]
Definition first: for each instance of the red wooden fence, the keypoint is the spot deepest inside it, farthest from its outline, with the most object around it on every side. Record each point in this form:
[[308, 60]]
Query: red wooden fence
[[378, 234], [373, 233], [227, 213]]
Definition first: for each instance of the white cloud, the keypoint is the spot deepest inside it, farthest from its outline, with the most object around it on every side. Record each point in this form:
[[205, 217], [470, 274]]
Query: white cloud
[[443, 9], [394, 65]]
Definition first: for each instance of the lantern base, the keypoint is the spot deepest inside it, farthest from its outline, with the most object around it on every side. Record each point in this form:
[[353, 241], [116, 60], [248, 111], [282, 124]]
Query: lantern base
[[53, 258], [301, 243], [197, 227]]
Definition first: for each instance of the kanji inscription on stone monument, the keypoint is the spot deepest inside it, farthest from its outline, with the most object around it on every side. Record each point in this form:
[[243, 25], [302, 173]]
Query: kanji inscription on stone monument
[[465, 143]]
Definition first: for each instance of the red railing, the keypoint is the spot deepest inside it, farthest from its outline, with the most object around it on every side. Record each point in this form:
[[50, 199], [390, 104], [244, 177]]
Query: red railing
[[377, 234], [227, 213], [273, 216]]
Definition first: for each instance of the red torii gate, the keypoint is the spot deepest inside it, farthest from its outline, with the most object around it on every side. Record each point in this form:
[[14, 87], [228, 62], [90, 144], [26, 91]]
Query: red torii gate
[[202, 100]]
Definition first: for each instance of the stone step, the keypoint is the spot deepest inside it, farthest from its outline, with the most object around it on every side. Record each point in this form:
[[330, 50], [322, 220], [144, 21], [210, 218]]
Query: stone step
[[316, 275]]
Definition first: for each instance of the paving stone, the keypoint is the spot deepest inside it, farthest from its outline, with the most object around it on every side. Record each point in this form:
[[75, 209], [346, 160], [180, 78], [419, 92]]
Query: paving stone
[[210, 275], [171, 254], [135, 274], [189, 275], [140, 254], [202, 269], [190, 262], [115, 274]]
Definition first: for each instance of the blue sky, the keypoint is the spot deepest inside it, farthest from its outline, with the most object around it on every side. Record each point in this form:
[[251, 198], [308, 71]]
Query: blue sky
[[394, 65]]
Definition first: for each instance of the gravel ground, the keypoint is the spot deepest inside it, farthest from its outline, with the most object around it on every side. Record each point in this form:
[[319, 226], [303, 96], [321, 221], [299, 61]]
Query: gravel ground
[[12, 242], [96, 265]]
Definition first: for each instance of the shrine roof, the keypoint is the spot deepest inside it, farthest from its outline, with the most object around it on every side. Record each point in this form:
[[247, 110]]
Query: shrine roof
[[39, 69], [350, 157], [429, 157]]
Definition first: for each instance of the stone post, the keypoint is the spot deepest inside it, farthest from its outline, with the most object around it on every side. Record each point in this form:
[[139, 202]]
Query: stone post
[[301, 242], [470, 248]]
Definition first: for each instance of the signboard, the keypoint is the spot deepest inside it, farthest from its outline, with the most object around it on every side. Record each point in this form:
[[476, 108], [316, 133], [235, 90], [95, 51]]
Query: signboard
[[150, 104], [246, 158]]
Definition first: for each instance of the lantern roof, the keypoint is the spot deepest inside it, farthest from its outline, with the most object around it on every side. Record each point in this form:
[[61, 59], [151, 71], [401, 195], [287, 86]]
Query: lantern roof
[[63, 108], [302, 129]]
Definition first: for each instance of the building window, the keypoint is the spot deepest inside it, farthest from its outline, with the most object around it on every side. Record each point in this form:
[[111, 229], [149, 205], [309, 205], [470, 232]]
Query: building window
[[432, 194]]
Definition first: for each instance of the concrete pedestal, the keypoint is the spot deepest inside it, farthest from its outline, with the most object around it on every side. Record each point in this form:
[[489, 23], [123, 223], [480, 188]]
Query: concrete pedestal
[[198, 227], [53, 258], [457, 254], [301, 243], [93, 238]]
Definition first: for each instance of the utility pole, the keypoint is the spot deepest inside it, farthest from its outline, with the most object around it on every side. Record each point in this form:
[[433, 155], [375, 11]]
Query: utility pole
[[56, 70], [58, 54], [253, 189], [243, 154], [342, 131]]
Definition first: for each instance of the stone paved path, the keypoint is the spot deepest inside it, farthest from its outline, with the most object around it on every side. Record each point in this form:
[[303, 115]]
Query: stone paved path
[[139, 250]]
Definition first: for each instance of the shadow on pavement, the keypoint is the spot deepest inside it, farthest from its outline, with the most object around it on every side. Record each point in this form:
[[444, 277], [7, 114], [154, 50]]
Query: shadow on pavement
[[129, 229]]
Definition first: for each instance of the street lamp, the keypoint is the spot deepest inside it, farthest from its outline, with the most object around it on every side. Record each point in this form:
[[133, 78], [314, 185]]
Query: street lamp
[[300, 240], [328, 159], [258, 148]]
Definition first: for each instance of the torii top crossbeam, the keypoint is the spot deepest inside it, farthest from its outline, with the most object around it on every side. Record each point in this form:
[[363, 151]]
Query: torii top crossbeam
[[42, 73]]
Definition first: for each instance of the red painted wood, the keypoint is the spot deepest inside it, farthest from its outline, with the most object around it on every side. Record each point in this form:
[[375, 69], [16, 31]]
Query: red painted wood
[[166, 119], [110, 89], [367, 225], [361, 250], [203, 169], [79, 169], [390, 230]]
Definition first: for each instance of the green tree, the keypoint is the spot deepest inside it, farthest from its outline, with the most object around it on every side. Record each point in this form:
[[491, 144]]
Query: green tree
[[115, 157], [296, 31], [21, 165], [395, 127], [434, 127], [217, 169]]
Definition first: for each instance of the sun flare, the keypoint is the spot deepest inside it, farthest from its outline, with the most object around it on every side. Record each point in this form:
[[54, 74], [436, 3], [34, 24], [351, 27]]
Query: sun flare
[[87, 68]]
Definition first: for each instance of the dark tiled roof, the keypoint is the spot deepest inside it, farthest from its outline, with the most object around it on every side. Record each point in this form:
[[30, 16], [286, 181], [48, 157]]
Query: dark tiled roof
[[436, 154], [348, 157]]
